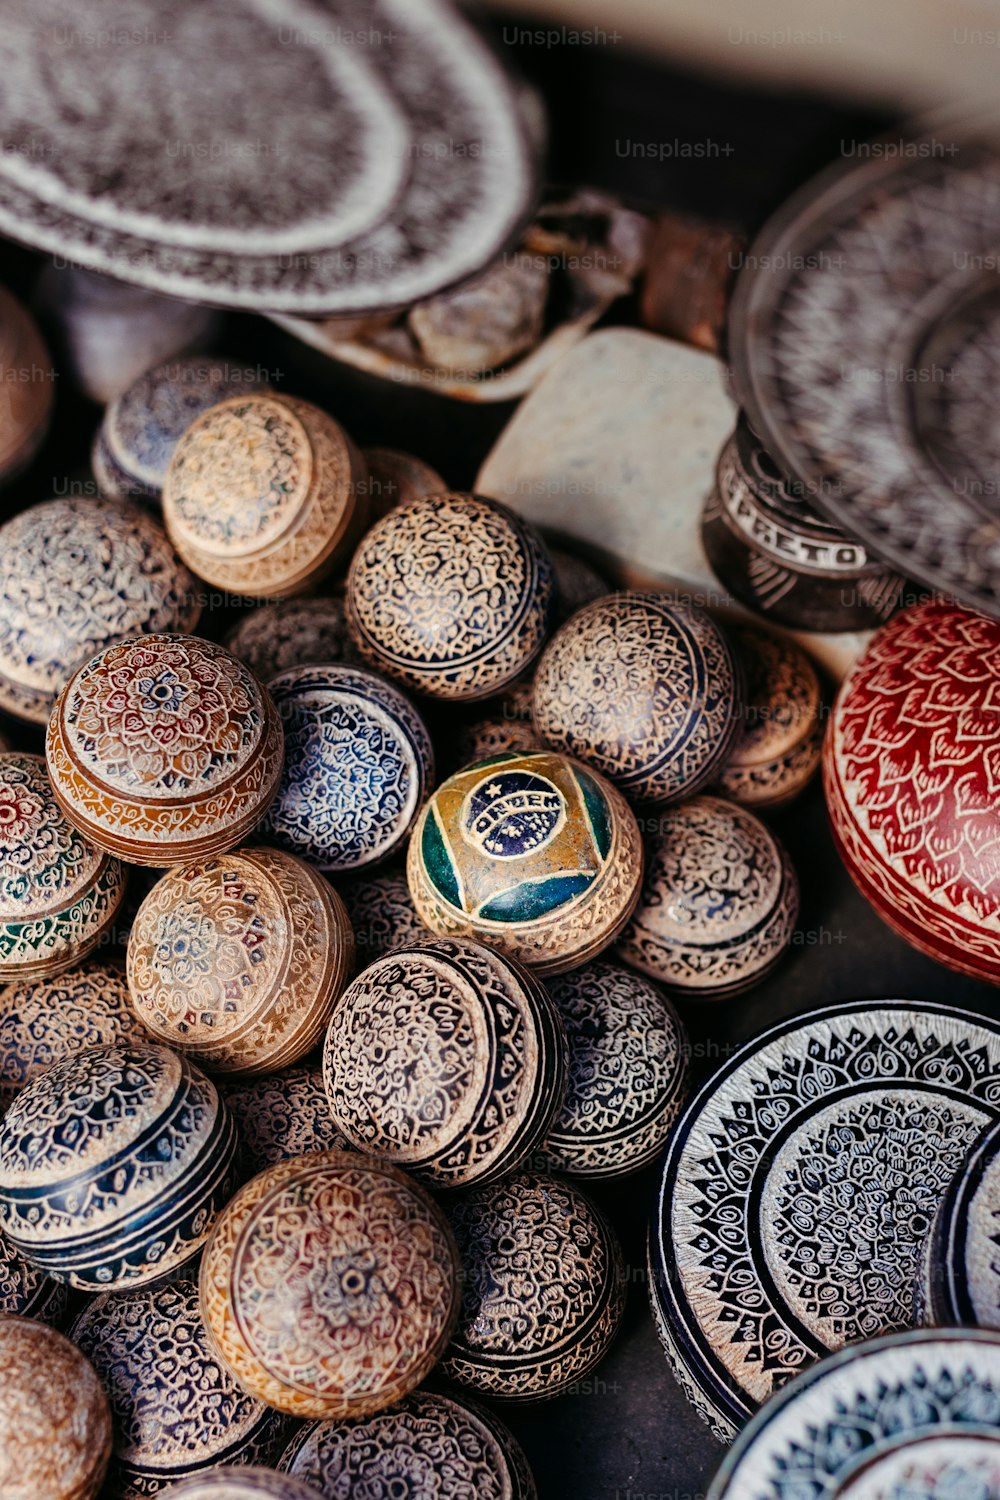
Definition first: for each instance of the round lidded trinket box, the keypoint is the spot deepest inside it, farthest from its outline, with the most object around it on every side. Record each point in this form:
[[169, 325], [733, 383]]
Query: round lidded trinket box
[[780, 557], [292, 633], [446, 1059], [142, 426], [627, 1066], [429, 1446], [531, 854], [798, 1188], [28, 1293], [959, 1275], [113, 1165], [250, 1483], [59, 892], [913, 1416], [174, 1407], [164, 748], [237, 961], [544, 1288], [452, 595], [395, 477], [45, 1021], [358, 765], [284, 1115], [779, 744], [330, 1285], [909, 772], [264, 495], [76, 575], [27, 377], [55, 1423], [382, 915], [719, 902], [646, 691]]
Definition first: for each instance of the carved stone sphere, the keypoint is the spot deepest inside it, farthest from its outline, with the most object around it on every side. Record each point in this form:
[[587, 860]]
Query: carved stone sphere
[[358, 765], [292, 633], [446, 1059], [577, 583], [330, 1285], [497, 735], [55, 1422], [544, 1288], [627, 1055], [382, 914], [251, 1483], [429, 1447], [534, 855], [779, 745], [237, 961], [28, 1293], [452, 595], [113, 1165], [174, 1407], [163, 749], [282, 1116], [719, 902], [646, 691], [59, 892], [395, 477]]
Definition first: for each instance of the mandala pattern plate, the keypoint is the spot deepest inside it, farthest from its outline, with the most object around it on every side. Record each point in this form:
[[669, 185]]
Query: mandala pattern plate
[[799, 1186], [55, 1423]]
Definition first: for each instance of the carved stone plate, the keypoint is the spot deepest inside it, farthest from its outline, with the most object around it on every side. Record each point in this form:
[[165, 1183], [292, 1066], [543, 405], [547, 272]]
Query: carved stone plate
[[799, 1186], [960, 1271]]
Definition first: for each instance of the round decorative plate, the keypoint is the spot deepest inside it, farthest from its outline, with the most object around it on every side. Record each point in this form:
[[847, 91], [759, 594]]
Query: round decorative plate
[[452, 595], [59, 892], [264, 495], [358, 765], [531, 854], [910, 771], [543, 1292], [382, 915], [429, 1447], [960, 1274], [719, 901], [330, 1285], [226, 1483], [799, 1186], [282, 1116], [76, 575], [164, 748], [174, 1407], [292, 633], [315, 170], [646, 691], [779, 745], [55, 1423], [862, 330], [446, 1059], [113, 1165], [915, 1416], [237, 961]]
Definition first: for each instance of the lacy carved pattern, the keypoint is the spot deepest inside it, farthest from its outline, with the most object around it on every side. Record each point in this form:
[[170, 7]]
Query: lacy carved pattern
[[295, 633], [643, 689], [282, 1116], [451, 594], [382, 915], [780, 742], [76, 575], [55, 1426], [544, 1288], [26, 1292], [174, 1407]]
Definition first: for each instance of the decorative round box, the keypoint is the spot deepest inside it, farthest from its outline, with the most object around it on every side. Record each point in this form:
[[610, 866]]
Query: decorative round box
[[282, 1116], [394, 478], [330, 1285], [55, 1423], [798, 1188], [644, 690], [238, 960], [264, 495], [175, 1409], [544, 1288], [251, 1483], [164, 748], [59, 892], [959, 1275], [452, 595], [719, 902], [44, 1022], [577, 583], [780, 742], [485, 738], [627, 1062], [358, 765], [909, 771], [446, 1059], [914, 1416], [27, 1293], [531, 854], [778, 555], [292, 633], [28, 387], [76, 575], [382, 915], [429, 1447], [142, 426], [113, 1165]]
